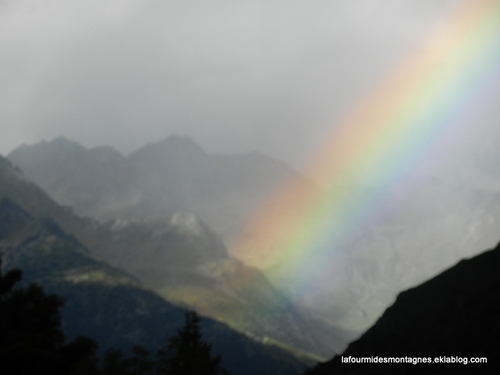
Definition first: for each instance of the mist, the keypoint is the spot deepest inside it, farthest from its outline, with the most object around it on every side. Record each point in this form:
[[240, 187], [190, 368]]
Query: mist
[[272, 76], [172, 85]]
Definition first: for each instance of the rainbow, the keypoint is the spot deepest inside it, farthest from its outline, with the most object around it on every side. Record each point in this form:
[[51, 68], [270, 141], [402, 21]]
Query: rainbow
[[299, 233]]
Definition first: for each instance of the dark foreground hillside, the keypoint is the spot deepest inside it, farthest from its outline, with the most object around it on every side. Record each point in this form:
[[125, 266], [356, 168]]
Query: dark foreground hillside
[[454, 316], [108, 305]]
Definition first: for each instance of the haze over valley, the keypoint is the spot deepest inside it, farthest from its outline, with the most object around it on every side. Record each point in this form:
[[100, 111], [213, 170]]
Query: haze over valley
[[284, 168], [170, 212]]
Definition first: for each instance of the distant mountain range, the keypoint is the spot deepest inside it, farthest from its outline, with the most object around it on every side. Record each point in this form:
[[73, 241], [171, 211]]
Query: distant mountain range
[[453, 317], [105, 302], [187, 263], [155, 198], [159, 179], [424, 227]]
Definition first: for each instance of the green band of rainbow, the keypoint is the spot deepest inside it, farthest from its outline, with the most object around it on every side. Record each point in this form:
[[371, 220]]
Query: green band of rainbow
[[295, 236]]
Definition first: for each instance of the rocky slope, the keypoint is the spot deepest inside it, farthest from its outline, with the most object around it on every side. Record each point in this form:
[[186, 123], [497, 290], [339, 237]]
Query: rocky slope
[[187, 263], [184, 261], [109, 305]]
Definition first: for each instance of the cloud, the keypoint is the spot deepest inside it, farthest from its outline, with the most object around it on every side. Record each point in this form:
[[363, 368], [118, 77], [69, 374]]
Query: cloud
[[235, 75]]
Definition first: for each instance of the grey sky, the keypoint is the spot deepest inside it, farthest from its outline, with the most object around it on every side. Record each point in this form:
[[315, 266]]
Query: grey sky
[[237, 76]]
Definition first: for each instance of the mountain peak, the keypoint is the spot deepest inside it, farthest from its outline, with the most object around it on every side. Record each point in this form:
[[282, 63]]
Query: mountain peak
[[173, 147], [105, 154], [57, 151], [175, 139]]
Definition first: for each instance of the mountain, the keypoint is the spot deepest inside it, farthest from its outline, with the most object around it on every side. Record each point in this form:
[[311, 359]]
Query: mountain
[[453, 316], [175, 252], [159, 179], [184, 261], [91, 181], [187, 263], [104, 302], [425, 226], [109, 305]]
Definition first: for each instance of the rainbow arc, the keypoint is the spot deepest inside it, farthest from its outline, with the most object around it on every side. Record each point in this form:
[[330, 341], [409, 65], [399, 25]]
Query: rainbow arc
[[295, 237]]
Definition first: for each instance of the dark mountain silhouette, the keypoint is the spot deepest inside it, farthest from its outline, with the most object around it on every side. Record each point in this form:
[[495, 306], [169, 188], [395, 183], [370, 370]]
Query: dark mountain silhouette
[[455, 314]]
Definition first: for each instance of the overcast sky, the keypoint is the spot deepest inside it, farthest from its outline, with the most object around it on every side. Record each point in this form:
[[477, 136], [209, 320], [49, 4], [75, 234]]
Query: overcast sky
[[236, 76]]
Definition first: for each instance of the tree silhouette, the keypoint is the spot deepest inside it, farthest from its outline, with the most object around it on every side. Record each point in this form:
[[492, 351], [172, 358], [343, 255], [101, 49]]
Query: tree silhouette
[[31, 340], [187, 354], [115, 362]]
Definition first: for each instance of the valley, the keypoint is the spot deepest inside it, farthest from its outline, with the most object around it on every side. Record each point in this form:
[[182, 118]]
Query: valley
[[169, 213]]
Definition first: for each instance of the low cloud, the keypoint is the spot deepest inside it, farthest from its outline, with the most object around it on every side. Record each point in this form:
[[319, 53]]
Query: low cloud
[[273, 76]]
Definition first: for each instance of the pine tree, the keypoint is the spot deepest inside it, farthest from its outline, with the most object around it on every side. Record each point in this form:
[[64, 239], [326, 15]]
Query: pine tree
[[116, 363], [31, 340], [187, 354]]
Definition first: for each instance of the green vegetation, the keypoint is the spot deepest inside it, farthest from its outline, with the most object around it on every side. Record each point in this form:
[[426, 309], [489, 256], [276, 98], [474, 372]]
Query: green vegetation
[[31, 341], [103, 302]]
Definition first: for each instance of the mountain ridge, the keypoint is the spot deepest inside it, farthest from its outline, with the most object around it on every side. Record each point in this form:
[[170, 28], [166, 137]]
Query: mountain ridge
[[178, 253], [108, 304], [158, 179]]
